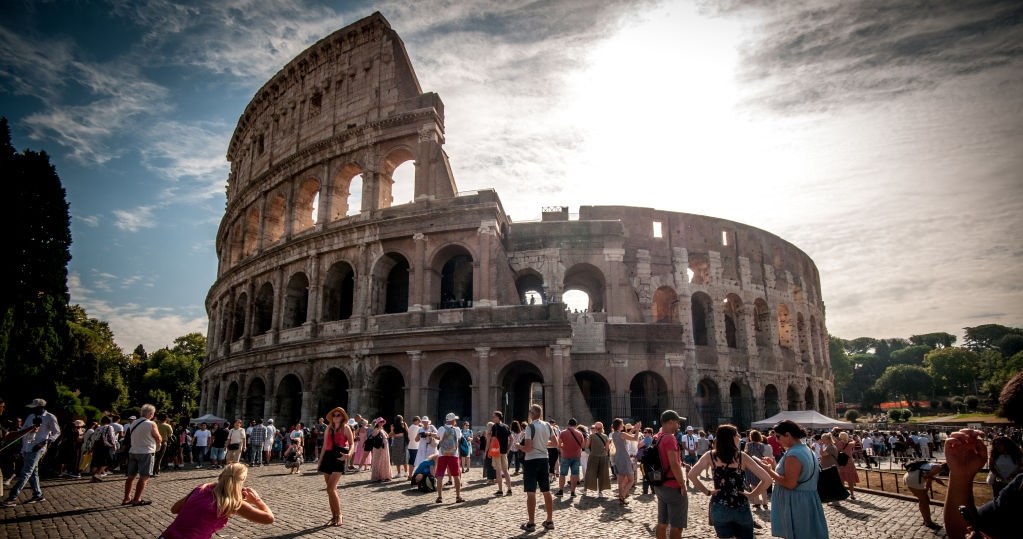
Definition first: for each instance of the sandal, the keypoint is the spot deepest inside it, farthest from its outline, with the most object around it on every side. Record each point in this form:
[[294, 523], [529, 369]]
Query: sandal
[[334, 521], [459, 499], [529, 526], [140, 503], [438, 500], [548, 525], [127, 501]]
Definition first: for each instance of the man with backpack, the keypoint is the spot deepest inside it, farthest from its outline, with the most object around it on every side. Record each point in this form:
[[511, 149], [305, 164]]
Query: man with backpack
[[662, 466], [536, 473], [449, 439], [571, 456]]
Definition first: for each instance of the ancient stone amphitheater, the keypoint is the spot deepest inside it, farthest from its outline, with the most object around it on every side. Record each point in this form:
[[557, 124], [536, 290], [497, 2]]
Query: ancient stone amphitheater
[[328, 293]]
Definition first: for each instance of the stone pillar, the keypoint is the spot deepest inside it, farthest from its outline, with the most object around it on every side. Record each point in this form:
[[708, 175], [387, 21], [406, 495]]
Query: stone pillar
[[483, 275], [484, 400], [315, 302], [677, 382], [323, 206], [418, 295], [221, 406], [262, 223], [308, 414], [613, 259], [415, 383], [560, 358], [275, 324], [620, 371], [250, 311]]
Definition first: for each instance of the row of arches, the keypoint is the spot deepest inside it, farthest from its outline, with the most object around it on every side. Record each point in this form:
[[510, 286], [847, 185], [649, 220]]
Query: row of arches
[[301, 204]]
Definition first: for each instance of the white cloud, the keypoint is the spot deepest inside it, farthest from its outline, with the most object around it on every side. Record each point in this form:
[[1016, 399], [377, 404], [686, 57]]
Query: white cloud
[[153, 327], [135, 219], [92, 221], [191, 156]]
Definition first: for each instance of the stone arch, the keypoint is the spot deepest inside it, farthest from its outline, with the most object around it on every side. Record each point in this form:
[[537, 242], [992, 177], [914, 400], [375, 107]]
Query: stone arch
[[386, 393], [772, 402], [451, 277], [761, 323], [597, 394], [741, 397], [804, 348], [708, 403], [450, 390], [648, 396], [589, 279], [815, 341], [332, 391], [273, 225], [347, 182], [522, 384], [236, 245], [255, 398], [296, 301], [339, 292], [264, 308], [288, 401], [250, 240], [530, 286], [703, 319], [231, 401], [211, 406], [784, 326], [792, 398], [388, 189], [306, 199], [699, 268], [808, 400], [822, 407], [241, 306], [735, 329], [664, 307], [224, 317], [390, 284]]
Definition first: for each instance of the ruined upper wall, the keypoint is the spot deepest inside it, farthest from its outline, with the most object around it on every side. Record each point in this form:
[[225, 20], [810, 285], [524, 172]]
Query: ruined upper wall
[[358, 75]]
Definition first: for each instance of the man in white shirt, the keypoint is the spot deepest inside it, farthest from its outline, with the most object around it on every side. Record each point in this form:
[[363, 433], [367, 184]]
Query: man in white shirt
[[413, 447], [690, 442], [202, 440], [40, 431], [536, 472], [145, 438], [427, 438]]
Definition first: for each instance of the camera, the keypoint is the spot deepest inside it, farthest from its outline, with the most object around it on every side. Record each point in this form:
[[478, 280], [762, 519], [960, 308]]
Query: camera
[[37, 420]]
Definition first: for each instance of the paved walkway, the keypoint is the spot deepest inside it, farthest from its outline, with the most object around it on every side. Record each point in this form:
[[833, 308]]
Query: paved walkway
[[79, 509]]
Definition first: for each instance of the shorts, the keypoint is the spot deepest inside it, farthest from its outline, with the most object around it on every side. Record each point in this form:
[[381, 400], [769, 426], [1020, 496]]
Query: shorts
[[140, 464], [732, 521], [689, 459], [217, 453], [500, 462], [672, 507], [570, 463], [448, 465], [536, 474], [552, 458]]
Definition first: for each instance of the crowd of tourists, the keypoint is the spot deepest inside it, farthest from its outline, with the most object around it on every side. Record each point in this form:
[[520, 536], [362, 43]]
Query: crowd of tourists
[[784, 474]]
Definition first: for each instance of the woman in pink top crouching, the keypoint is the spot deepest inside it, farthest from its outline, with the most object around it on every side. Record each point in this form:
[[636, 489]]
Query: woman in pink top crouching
[[206, 509]]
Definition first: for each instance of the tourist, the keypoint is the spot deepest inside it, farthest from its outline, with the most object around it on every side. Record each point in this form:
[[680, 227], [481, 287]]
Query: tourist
[[918, 479], [319, 429], [399, 446], [536, 470], [235, 443], [702, 446], [502, 434], [145, 438], [40, 431], [690, 444], [757, 449], [597, 464], [515, 453], [643, 445], [268, 442], [796, 510], [380, 470], [466, 435], [423, 477], [491, 449], [104, 444], [1005, 463], [363, 457], [337, 443], [776, 449], [828, 452], [413, 445], [206, 509], [449, 436], [426, 440], [847, 471], [729, 503], [672, 501], [201, 442], [293, 456], [571, 454], [256, 439], [553, 451], [218, 447], [624, 469], [69, 448], [166, 436]]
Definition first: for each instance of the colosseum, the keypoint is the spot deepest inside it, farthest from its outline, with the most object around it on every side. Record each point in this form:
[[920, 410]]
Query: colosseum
[[330, 293]]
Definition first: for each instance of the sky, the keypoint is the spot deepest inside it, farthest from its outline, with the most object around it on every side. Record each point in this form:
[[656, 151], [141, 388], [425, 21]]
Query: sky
[[884, 138]]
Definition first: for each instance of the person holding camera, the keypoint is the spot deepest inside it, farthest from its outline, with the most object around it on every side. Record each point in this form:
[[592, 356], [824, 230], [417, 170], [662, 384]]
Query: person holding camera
[[206, 509], [40, 431]]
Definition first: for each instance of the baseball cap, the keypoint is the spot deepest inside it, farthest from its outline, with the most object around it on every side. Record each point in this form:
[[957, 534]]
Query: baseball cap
[[670, 415], [450, 417]]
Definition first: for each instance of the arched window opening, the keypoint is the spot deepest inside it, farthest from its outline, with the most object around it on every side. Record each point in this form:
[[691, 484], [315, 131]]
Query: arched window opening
[[793, 399], [742, 404], [307, 196], [391, 284], [255, 399], [761, 322], [451, 278], [339, 292], [577, 301], [332, 391], [315, 214], [288, 401], [264, 308], [699, 265], [398, 180], [241, 305], [386, 393], [730, 332], [355, 196], [589, 279], [784, 326], [597, 394], [346, 192], [521, 386], [530, 287], [251, 235], [821, 406], [772, 406], [231, 401], [236, 244], [296, 301], [649, 397], [450, 390], [808, 399], [708, 403], [274, 222], [664, 307], [703, 319], [804, 348]]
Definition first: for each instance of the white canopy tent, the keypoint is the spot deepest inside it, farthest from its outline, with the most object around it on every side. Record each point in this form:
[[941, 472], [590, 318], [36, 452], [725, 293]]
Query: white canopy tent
[[808, 419], [208, 419]]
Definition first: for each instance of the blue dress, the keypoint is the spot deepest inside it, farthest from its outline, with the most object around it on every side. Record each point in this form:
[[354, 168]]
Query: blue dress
[[797, 513]]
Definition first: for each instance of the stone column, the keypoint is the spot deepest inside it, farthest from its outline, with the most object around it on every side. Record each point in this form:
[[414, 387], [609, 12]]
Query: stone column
[[484, 397], [415, 383], [315, 302], [275, 324], [560, 357], [621, 382], [484, 285], [308, 407], [262, 223], [221, 406], [250, 310], [418, 295]]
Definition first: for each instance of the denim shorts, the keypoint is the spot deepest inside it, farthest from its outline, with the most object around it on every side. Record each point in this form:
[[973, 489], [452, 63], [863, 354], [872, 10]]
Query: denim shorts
[[217, 453], [732, 521], [569, 463]]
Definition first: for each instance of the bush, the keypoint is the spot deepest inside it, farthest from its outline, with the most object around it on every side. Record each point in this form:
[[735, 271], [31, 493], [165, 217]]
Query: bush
[[946, 404], [972, 402], [895, 415], [935, 404], [906, 414], [852, 415]]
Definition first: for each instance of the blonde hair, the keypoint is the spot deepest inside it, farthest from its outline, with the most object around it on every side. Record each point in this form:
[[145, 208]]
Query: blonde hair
[[228, 490], [844, 436], [827, 438]]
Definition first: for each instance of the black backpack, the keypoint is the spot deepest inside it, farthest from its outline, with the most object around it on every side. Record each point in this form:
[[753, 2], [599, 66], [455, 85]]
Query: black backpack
[[651, 464]]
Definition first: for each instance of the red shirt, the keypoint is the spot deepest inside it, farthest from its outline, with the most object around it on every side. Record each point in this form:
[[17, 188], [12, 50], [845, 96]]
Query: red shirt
[[571, 443], [665, 443], [775, 446]]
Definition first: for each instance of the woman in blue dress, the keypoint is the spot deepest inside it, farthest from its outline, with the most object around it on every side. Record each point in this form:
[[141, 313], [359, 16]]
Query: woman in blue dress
[[796, 510]]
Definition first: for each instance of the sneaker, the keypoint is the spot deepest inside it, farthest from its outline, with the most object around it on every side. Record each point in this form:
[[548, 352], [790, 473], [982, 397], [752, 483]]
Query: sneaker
[[508, 493], [8, 503], [571, 494], [37, 499], [559, 493], [500, 493]]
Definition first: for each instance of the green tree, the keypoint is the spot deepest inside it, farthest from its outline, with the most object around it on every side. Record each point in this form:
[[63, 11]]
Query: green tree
[[909, 381], [911, 355], [986, 336], [852, 415], [934, 340], [840, 365], [954, 370], [94, 361], [176, 374], [36, 244]]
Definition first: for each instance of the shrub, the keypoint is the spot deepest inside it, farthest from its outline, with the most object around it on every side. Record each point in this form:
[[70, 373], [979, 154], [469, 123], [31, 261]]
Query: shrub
[[852, 415], [906, 414], [972, 402]]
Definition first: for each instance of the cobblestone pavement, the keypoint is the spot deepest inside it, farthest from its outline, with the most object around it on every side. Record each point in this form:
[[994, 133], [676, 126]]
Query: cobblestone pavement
[[77, 508]]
